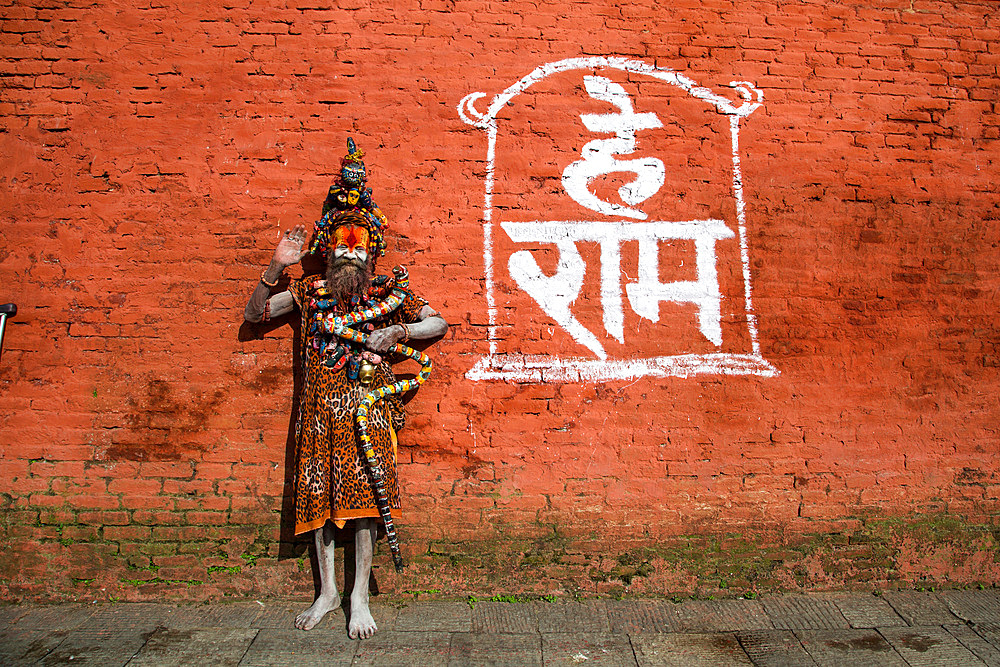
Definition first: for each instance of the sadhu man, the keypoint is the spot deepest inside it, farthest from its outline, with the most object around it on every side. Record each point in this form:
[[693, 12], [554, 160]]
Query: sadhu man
[[333, 484]]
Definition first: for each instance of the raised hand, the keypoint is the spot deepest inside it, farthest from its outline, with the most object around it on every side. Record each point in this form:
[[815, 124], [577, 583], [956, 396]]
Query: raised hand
[[289, 250]]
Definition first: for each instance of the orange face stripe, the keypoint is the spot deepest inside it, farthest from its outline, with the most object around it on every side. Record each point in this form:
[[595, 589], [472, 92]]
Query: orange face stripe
[[352, 236]]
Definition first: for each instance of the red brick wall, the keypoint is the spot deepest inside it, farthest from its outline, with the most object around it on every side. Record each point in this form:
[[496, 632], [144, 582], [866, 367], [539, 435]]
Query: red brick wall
[[151, 153]]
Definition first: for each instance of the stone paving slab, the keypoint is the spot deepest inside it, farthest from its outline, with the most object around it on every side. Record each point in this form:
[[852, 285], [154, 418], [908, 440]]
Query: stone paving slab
[[205, 647], [230, 615], [297, 648], [27, 647], [55, 617], [234, 615], [858, 648], [775, 648], [385, 616], [604, 649], [990, 632], [635, 616], [930, 647], [100, 647], [404, 649], [709, 616], [11, 613], [280, 615], [867, 611], [573, 617], [975, 642], [499, 649], [920, 608], [624, 632], [975, 605], [503, 617], [689, 650], [434, 616], [142, 616], [799, 612]]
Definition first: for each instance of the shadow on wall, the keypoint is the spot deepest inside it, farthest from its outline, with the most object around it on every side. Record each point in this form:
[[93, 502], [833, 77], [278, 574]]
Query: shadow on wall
[[288, 545]]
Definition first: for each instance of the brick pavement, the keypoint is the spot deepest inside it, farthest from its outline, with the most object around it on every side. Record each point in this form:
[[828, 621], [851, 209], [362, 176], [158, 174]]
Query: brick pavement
[[903, 628]]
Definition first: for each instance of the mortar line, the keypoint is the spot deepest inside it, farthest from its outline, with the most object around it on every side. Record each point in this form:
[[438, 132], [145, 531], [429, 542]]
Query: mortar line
[[631, 645], [878, 631], [249, 644]]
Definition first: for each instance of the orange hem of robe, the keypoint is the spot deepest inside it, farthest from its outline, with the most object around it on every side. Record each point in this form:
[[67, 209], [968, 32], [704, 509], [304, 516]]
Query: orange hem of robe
[[343, 516]]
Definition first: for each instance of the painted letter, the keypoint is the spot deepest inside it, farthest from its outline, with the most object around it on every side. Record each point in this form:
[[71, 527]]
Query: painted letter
[[557, 293], [647, 292], [599, 154]]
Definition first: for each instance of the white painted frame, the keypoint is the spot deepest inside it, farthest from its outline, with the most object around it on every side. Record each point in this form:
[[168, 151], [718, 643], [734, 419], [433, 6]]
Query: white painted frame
[[545, 368]]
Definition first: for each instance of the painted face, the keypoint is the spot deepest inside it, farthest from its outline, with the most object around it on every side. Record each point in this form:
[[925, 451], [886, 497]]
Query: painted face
[[350, 241], [353, 173]]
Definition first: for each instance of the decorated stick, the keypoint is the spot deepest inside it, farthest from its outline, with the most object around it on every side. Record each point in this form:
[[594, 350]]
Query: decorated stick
[[341, 326]]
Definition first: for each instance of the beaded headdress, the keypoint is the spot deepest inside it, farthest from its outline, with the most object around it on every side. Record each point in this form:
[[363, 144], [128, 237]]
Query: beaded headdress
[[350, 202]]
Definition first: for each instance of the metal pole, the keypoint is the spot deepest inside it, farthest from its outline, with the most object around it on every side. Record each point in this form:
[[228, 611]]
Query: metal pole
[[6, 310]]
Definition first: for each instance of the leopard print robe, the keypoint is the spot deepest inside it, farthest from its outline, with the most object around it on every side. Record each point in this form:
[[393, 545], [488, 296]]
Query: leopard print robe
[[331, 474]]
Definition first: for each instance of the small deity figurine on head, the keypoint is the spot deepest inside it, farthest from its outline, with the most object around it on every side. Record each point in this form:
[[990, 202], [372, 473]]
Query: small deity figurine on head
[[349, 410]]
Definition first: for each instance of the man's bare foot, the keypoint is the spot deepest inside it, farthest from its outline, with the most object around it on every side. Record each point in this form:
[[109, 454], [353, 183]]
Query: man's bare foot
[[362, 625], [308, 619]]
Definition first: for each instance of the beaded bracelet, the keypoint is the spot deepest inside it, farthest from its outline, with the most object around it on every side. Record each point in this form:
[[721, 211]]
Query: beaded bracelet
[[406, 332], [267, 283]]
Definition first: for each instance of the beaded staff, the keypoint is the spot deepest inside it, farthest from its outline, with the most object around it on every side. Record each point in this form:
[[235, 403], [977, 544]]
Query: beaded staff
[[340, 325]]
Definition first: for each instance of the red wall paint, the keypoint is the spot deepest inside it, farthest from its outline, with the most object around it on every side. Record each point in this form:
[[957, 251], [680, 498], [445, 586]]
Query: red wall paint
[[151, 155]]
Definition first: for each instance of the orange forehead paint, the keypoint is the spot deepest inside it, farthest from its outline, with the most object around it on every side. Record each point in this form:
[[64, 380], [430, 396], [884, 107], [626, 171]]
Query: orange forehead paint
[[352, 236]]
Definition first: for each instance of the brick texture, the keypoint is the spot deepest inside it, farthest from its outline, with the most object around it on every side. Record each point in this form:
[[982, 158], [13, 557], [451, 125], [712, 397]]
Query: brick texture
[[150, 153]]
